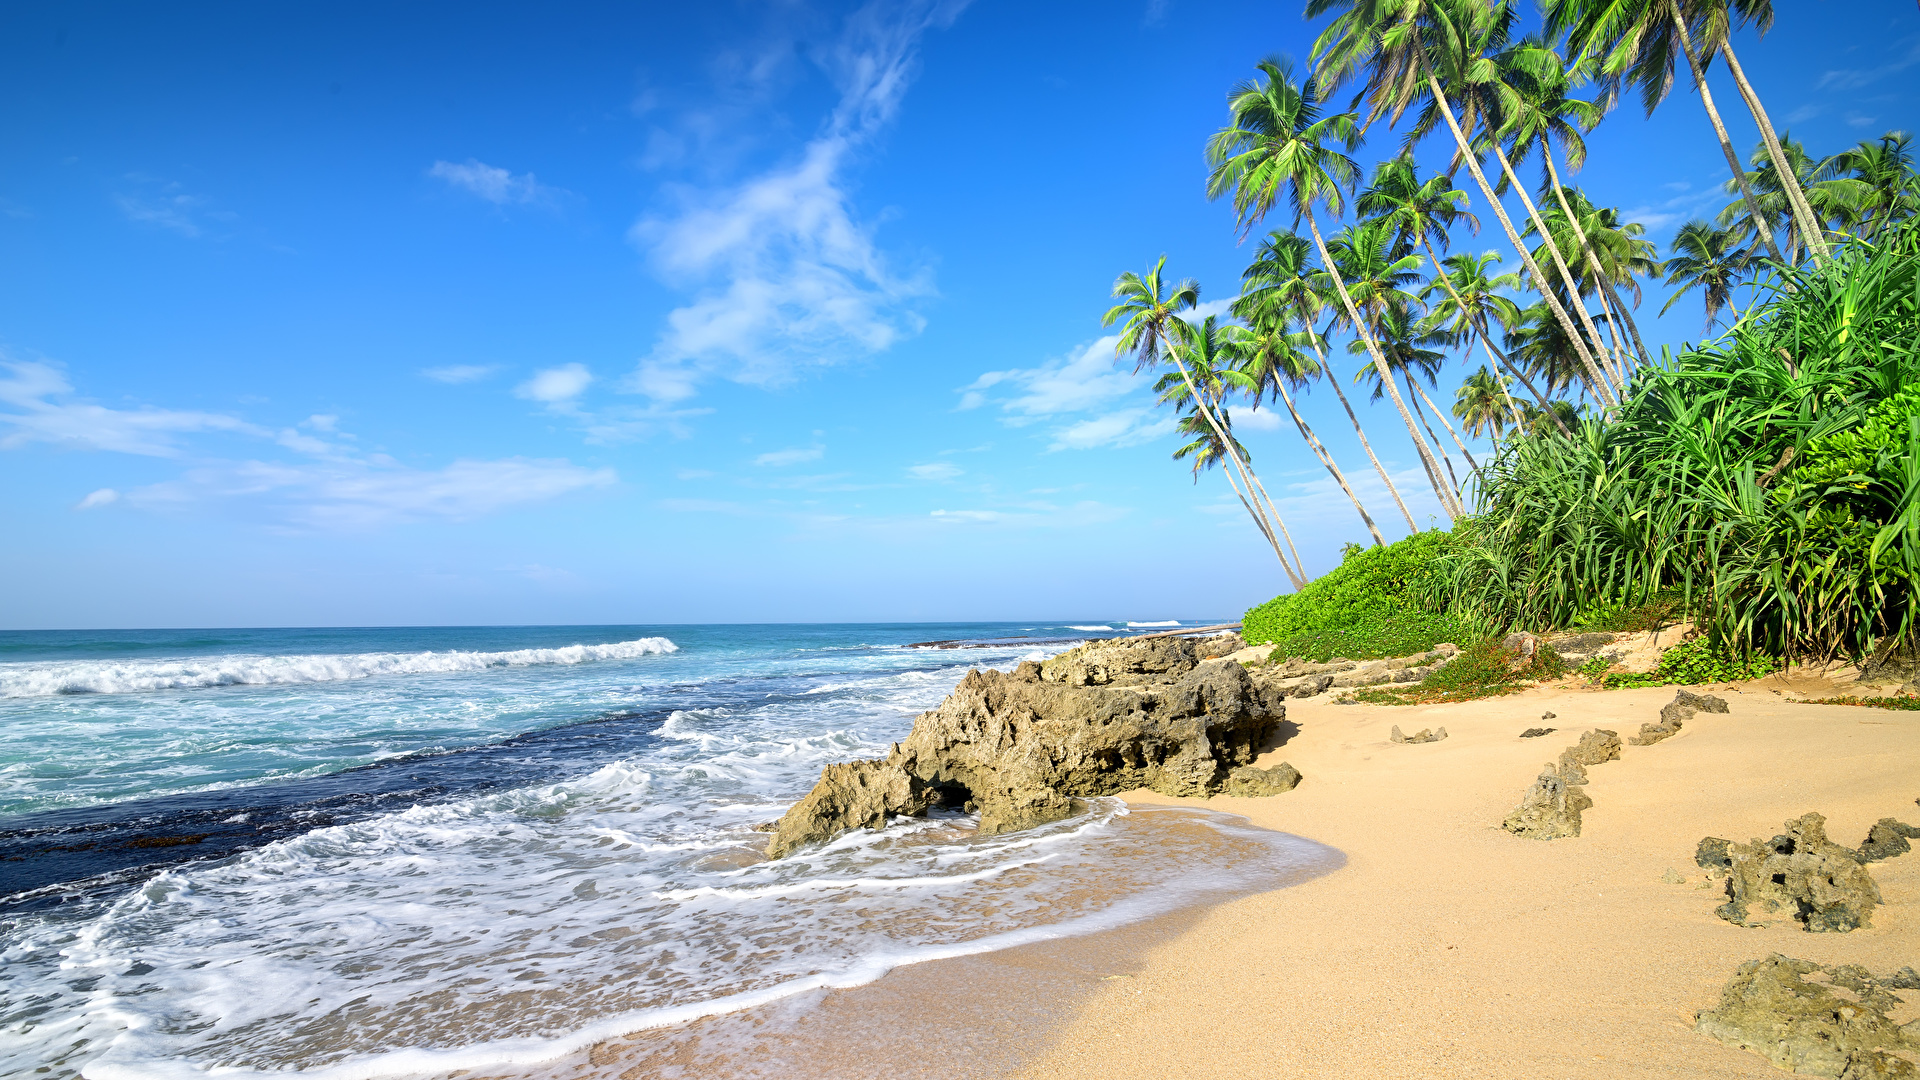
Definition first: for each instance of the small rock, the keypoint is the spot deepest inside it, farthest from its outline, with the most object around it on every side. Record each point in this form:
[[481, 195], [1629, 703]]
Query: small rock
[[1665, 729], [1596, 747], [1247, 782], [1673, 877], [1712, 854], [1522, 645], [1550, 809], [1536, 732], [1815, 881], [1424, 735], [1805, 1027], [1886, 839], [1700, 702], [1548, 716]]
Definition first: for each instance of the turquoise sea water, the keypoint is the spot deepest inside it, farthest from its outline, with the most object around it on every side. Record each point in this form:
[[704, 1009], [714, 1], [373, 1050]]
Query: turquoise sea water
[[361, 852]]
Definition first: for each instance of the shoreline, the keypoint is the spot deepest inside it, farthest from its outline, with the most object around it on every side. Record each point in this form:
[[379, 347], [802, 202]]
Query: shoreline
[[1449, 947]]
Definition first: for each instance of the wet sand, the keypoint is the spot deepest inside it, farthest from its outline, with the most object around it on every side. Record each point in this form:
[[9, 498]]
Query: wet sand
[[1449, 948]]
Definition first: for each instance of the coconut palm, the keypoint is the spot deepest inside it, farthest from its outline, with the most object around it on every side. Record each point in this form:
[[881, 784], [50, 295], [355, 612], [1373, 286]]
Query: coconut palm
[[1279, 147], [1707, 259], [1878, 180], [1538, 346], [1776, 208], [1635, 43], [1621, 257], [1208, 449], [1432, 53], [1281, 285], [1471, 305], [1407, 342], [1274, 366], [1482, 404]]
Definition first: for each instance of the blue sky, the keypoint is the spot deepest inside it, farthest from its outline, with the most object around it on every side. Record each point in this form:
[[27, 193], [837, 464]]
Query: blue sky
[[602, 313]]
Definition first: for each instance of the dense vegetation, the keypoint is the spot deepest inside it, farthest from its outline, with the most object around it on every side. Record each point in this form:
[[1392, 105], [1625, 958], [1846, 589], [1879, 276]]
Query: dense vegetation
[[1368, 607]]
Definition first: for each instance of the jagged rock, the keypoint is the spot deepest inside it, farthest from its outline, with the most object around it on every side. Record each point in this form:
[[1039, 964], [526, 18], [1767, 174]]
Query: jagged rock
[[1698, 702], [1248, 782], [1808, 1027], [1596, 747], [1023, 748], [1548, 715], [1550, 810], [1673, 877], [1818, 883], [1304, 678], [1572, 772], [1886, 839], [1653, 733], [1424, 735], [1712, 854], [1536, 732]]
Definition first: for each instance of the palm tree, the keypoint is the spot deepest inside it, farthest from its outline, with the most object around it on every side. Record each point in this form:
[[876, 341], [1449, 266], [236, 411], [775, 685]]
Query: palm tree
[[1635, 43], [1621, 255], [1208, 449], [1482, 404], [1409, 47], [1878, 180], [1472, 304], [1777, 208], [1707, 259], [1277, 146], [1273, 364], [1406, 341], [1538, 345], [1280, 285]]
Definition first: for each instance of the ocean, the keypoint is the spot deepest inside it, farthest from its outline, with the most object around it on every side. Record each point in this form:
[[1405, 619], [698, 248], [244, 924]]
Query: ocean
[[408, 851]]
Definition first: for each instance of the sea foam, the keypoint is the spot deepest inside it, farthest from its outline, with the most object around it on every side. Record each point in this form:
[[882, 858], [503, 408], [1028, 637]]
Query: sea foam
[[21, 680]]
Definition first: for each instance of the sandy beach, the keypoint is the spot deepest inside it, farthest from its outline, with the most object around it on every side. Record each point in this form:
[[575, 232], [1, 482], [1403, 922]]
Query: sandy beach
[[1449, 948]]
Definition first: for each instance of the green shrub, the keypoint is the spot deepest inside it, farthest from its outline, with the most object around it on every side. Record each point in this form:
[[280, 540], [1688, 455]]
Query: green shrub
[[1692, 663], [1365, 608], [1483, 669], [1617, 616]]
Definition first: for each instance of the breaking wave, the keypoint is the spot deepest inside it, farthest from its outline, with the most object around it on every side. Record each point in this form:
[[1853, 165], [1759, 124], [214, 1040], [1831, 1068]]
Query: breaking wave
[[126, 677]]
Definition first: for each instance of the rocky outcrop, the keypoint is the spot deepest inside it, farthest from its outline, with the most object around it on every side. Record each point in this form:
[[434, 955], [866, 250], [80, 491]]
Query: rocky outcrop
[[1022, 747], [1802, 875], [1596, 747], [1424, 735], [1837, 1026], [1887, 839], [1550, 810], [1305, 678]]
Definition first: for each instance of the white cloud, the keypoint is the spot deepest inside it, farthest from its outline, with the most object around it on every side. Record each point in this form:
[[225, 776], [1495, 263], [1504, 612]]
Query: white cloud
[[1126, 427], [1249, 419], [322, 422], [102, 497], [460, 373], [792, 279], [939, 470], [36, 388], [494, 184], [1855, 78], [368, 493], [556, 385], [791, 456]]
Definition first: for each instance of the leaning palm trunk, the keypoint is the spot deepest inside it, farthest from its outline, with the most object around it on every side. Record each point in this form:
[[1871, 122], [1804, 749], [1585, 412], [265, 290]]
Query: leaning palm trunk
[[1594, 376], [1326, 458], [1506, 362], [1333, 379], [1559, 261], [1282, 522], [1789, 183], [1513, 405], [1448, 503], [1593, 262], [1246, 474], [1472, 465], [1266, 529], [1720, 129], [1502, 364], [1453, 478]]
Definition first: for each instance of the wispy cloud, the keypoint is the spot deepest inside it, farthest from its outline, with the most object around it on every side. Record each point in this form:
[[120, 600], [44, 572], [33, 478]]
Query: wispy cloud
[[792, 278], [1855, 78], [939, 470], [47, 413], [102, 497], [494, 184], [791, 456], [164, 204], [460, 373], [556, 386]]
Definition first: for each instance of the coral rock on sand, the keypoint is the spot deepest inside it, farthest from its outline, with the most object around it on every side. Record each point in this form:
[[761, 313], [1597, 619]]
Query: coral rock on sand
[[1023, 747], [1248, 782], [1712, 854], [1815, 881], [1596, 747], [1550, 810], [1536, 732], [1422, 736], [1886, 839], [1676, 712], [1811, 1027]]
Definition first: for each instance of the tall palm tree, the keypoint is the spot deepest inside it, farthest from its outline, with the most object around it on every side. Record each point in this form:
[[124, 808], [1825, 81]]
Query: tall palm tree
[[1482, 404], [1538, 345], [1281, 284], [1878, 179], [1471, 305], [1707, 259], [1407, 342], [1271, 360], [1152, 330], [1621, 257], [1209, 449], [1278, 147], [1409, 48], [1635, 43]]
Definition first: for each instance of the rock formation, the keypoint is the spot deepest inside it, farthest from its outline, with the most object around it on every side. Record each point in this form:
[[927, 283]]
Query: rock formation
[[1802, 874], [1422, 736], [1536, 732], [1305, 678], [1022, 748], [1550, 810], [1250, 783], [1675, 713], [1596, 747], [1837, 1027], [1886, 839]]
